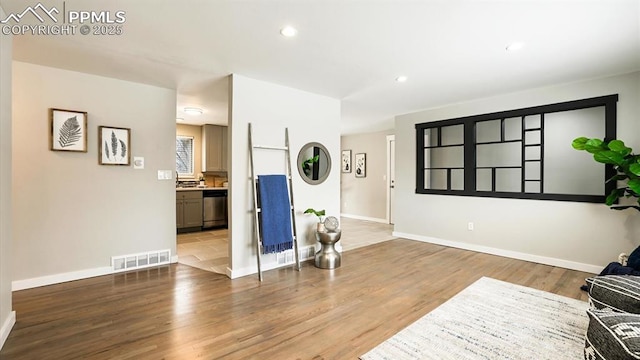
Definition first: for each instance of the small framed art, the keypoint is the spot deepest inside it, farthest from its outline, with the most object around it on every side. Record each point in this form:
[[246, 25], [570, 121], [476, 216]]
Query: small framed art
[[68, 130], [114, 145], [346, 161], [361, 165]]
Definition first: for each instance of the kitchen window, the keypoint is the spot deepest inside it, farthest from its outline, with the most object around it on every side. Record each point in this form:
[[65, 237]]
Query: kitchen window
[[184, 155]]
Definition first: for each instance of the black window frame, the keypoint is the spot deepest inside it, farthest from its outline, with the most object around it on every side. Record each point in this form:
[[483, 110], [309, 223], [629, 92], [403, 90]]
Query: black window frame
[[609, 102]]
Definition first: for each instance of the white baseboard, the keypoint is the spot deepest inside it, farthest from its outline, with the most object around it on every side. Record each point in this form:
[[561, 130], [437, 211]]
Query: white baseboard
[[506, 253], [366, 218], [252, 270], [237, 273], [70, 276], [6, 328], [59, 278]]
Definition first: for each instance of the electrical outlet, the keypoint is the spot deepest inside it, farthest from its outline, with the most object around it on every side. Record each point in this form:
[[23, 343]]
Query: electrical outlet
[[470, 226]]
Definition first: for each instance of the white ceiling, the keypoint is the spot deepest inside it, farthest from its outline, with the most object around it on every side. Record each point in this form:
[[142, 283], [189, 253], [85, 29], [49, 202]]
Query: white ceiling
[[451, 50]]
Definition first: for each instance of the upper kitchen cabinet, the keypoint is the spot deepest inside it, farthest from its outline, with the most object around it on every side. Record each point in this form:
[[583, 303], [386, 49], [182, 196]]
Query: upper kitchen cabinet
[[214, 148]]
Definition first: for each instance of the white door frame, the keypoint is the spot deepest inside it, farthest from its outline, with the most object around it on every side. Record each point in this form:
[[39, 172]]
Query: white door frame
[[389, 176]]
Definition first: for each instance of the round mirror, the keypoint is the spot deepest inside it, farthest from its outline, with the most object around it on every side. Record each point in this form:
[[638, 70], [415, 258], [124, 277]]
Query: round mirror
[[314, 163]]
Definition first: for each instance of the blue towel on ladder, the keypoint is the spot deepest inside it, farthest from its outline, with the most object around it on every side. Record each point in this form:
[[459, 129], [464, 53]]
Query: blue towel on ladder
[[275, 213]]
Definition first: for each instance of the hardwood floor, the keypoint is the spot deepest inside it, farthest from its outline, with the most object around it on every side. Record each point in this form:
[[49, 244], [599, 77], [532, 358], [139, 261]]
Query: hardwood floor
[[180, 312]]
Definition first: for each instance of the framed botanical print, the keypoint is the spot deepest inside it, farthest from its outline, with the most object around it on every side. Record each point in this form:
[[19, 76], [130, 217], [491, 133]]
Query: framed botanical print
[[68, 130], [114, 145]]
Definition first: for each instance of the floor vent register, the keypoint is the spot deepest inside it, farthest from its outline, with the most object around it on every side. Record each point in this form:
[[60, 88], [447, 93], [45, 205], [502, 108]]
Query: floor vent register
[[140, 260]]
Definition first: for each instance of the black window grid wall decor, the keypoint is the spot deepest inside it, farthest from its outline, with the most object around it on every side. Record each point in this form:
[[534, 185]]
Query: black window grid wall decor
[[449, 165]]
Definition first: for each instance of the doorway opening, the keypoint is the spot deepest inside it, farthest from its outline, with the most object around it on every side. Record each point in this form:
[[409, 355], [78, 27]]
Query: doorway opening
[[391, 176]]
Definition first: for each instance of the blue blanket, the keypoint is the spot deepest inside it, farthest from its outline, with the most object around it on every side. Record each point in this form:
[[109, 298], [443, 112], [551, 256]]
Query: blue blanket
[[275, 213]]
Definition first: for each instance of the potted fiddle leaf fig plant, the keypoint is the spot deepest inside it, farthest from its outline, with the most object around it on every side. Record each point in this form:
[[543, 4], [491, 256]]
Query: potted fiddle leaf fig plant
[[624, 161], [320, 214]]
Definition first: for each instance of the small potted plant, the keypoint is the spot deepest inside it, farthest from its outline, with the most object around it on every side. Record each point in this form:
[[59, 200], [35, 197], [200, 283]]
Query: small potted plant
[[320, 214]]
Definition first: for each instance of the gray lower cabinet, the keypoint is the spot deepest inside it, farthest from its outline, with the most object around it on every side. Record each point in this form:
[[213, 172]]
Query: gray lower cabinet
[[179, 213], [188, 209]]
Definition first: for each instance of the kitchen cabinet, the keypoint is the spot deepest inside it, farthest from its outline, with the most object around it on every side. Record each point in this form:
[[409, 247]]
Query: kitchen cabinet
[[214, 148], [179, 213], [188, 209]]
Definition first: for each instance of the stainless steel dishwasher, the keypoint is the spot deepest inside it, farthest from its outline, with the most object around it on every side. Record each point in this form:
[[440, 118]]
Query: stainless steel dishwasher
[[214, 212]]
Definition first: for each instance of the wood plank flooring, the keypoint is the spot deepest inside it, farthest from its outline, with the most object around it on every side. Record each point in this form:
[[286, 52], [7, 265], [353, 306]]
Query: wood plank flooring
[[180, 312]]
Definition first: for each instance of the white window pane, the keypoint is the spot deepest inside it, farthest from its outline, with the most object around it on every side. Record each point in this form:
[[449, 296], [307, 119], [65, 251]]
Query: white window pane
[[184, 155]]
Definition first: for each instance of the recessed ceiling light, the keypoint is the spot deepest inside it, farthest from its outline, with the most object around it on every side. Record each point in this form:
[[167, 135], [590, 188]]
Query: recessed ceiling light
[[288, 31], [193, 111], [515, 46], [401, 79], [179, 119]]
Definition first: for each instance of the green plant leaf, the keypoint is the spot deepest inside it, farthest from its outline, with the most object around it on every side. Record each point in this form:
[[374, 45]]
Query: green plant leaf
[[579, 143], [614, 196], [594, 146], [619, 147], [635, 169], [634, 184], [318, 213], [608, 157]]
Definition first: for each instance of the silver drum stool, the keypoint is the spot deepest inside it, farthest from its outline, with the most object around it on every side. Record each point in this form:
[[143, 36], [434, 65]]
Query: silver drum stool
[[327, 257]]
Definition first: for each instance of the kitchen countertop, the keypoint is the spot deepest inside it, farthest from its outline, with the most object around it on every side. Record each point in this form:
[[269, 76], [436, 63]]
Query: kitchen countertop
[[200, 188]]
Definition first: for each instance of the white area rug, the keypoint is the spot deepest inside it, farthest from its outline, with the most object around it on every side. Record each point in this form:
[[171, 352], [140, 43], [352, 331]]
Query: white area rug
[[492, 319]]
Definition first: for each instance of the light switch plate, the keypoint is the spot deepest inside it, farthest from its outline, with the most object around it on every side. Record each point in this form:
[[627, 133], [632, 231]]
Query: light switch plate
[[138, 162], [164, 174]]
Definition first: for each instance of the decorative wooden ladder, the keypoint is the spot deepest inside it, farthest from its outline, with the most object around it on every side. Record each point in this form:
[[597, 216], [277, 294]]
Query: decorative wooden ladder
[[257, 210]]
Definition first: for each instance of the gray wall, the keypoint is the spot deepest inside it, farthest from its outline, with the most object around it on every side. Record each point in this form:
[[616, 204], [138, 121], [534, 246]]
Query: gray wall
[[365, 198], [7, 316], [575, 235], [70, 214]]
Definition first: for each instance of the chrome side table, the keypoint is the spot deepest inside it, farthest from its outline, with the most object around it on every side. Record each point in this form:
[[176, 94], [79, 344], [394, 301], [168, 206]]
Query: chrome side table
[[327, 257]]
